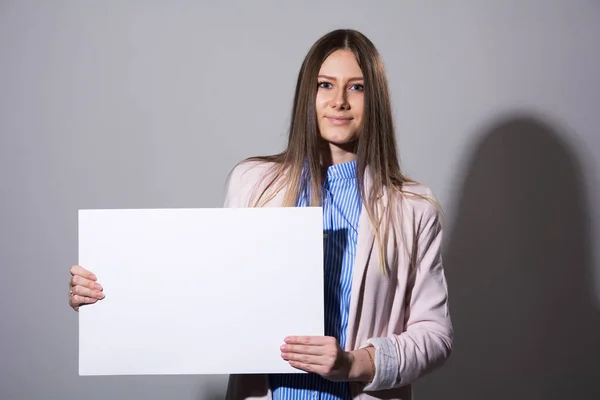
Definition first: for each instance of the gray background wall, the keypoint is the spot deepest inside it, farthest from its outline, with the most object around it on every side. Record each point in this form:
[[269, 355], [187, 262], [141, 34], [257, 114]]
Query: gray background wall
[[149, 104]]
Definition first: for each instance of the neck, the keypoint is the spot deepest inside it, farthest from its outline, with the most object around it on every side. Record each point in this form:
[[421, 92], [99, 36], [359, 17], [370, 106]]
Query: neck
[[338, 154]]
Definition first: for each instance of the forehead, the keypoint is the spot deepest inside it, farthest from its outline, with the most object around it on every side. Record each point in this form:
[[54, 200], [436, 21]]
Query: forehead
[[341, 63]]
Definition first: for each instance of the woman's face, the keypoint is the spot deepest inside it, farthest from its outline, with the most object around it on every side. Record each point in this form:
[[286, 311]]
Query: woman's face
[[340, 99]]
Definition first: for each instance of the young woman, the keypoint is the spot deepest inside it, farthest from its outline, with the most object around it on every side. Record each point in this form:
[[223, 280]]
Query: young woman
[[386, 299]]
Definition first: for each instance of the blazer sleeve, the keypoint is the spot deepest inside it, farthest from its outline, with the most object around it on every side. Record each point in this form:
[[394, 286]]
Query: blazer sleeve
[[427, 341], [235, 187]]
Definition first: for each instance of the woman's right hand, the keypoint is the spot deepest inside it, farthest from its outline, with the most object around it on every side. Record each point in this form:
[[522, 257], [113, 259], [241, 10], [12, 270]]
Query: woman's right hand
[[83, 288]]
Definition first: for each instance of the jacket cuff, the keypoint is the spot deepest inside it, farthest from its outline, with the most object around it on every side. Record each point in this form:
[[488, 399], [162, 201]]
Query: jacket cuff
[[386, 364]]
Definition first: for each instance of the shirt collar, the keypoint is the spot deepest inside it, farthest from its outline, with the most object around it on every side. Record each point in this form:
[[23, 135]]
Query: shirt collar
[[345, 170]]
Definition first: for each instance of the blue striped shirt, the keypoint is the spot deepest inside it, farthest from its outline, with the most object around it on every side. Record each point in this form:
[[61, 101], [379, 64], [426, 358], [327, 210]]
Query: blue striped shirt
[[341, 211]]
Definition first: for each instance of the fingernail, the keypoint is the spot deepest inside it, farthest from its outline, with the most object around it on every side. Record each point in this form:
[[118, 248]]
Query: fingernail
[[98, 286], [93, 277], [282, 347], [101, 296]]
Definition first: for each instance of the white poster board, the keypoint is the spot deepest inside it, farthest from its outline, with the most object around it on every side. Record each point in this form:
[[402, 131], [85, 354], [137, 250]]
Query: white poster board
[[199, 291]]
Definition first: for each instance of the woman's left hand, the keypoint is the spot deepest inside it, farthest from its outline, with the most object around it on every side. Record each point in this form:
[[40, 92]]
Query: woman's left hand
[[318, 354]]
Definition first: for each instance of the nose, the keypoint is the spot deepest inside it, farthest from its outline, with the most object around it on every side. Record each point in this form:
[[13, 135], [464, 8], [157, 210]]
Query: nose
[[340, 100]]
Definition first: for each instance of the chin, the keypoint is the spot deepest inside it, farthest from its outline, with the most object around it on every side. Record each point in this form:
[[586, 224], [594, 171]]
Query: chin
[[340, 140], [339, 136]]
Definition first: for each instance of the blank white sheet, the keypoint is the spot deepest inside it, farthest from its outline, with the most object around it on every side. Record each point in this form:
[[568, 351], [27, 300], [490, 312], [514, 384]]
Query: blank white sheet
[[199, 291]]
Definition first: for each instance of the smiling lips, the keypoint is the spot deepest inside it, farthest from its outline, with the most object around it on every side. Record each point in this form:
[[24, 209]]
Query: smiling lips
[[339, 120]]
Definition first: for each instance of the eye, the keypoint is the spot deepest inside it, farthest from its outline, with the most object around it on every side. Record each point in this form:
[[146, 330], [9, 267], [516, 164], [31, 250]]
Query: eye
[[325, 85], [357, 87]]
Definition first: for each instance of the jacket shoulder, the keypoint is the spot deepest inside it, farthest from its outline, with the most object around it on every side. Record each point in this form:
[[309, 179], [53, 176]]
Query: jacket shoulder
[[243, 180], [419, 201]]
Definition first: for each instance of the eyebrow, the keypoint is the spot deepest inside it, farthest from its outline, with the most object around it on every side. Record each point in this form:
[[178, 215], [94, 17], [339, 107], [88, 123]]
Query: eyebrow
[[358, 78]]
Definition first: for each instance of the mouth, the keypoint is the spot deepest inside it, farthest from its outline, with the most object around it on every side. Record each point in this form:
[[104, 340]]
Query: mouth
[[339, 120]]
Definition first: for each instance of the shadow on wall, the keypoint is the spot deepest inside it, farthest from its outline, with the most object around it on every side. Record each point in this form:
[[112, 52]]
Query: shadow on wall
[[519, 269], [214, 388]]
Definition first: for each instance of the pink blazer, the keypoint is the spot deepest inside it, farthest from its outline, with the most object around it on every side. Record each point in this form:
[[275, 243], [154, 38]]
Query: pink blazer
[[407, 307]]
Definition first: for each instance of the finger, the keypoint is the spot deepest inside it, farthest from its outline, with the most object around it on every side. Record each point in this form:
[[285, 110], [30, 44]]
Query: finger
[[303, 366], [77, 300], [73, 306], [303, 349], [78, 280], [310, 340], [79, 270], [86, 292], [305, 359]]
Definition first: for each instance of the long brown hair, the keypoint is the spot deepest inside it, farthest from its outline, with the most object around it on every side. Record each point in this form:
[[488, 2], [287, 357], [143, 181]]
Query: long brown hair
[[376, 148]]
